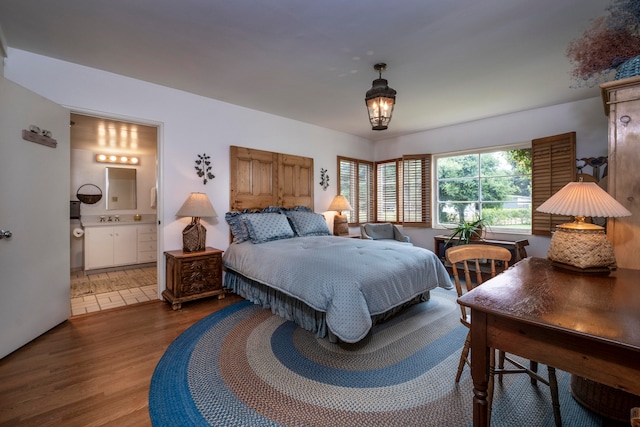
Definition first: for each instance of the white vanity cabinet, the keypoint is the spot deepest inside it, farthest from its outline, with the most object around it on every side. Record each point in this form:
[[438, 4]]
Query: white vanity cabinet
[[147, 243], [110, 246]]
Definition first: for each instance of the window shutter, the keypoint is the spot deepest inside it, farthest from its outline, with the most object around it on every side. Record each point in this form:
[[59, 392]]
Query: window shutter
[[355, 182], [416, 177], [387, 186], [365, 200], [553, 165]]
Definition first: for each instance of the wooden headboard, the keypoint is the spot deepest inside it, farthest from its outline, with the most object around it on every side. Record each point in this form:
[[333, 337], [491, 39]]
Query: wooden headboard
[[263, 178]]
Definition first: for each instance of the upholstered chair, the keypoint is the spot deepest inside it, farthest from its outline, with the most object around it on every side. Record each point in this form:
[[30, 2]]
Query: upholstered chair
[[383, 231]]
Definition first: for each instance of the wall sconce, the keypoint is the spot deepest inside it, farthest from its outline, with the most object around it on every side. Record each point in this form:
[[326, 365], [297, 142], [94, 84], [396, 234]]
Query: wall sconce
[[380, 100], [113, 158], [581, 246], [194, 236], [340, 224]]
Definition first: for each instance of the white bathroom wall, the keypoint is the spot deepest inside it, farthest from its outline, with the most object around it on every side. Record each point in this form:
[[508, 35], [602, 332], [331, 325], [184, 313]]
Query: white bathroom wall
[[85, 170]]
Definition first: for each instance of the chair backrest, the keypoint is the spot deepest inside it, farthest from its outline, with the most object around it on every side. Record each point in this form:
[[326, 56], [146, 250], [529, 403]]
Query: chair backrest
[[486, 259], [379, 231]]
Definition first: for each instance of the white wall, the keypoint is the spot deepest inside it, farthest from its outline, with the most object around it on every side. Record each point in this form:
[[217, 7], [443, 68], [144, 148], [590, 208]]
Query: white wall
[[189, 125], [585, 117]]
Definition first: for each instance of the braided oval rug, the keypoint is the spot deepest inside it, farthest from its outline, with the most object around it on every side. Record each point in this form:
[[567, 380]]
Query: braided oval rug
[[243, 366]]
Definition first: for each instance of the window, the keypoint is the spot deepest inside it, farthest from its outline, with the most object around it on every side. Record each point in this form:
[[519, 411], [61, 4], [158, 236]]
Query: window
[[492, 184], [355, 182], [402, 190], [501, 184], [402, 193]]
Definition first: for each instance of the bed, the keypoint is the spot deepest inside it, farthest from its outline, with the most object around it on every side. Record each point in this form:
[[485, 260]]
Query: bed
[[283, 256]]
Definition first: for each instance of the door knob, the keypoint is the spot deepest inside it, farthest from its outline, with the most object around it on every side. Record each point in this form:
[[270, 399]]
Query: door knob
[[5, 233]]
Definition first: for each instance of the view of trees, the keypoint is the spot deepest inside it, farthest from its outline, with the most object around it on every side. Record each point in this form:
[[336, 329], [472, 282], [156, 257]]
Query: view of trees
[[495, 186]]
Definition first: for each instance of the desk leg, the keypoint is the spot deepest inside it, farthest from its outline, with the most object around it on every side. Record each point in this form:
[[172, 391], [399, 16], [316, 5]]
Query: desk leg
[[479, 368]]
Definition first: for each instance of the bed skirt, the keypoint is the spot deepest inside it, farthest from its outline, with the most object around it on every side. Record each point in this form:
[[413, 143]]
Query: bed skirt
[[292, 309]]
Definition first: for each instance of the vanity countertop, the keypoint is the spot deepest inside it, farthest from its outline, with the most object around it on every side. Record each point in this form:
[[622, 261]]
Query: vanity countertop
[[94, 220]]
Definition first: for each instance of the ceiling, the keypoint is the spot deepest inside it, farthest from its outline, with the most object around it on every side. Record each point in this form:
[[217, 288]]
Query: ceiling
[[451, 61], [108, 136]]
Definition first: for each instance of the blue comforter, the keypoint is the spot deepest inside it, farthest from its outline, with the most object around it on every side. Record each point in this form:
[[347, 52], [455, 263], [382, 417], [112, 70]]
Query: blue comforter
[[348, 279]]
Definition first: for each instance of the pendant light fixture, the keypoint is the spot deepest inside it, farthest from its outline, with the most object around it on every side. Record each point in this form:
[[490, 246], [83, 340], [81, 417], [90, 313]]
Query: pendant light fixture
[[380, 100]]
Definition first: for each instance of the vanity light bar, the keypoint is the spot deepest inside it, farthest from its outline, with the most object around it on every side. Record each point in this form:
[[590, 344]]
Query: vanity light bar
[[112, 158]]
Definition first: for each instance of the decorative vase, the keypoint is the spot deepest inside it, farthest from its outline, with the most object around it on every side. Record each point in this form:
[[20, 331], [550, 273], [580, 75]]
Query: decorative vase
[[629, 68]]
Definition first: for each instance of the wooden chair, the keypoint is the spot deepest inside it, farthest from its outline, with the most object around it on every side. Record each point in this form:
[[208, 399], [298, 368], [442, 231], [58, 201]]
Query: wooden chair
[[495, 259]]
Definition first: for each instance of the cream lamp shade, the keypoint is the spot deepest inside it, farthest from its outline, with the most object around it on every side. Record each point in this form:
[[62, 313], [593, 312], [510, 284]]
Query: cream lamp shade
[[194, 236], [340, 224], [581, 246]]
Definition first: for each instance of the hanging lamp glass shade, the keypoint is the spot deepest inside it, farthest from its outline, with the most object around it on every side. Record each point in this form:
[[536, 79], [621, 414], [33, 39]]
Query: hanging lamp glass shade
[[380, 100]]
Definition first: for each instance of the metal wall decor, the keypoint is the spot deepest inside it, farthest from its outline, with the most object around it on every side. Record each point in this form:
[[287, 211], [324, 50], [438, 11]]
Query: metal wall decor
[[203, 167], [324, 179]]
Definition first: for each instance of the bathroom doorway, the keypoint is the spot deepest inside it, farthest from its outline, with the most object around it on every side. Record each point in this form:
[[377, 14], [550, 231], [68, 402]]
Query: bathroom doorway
[[116, 283]]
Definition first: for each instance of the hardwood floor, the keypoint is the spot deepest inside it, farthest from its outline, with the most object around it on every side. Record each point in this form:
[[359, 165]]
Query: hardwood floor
[[94, 370]]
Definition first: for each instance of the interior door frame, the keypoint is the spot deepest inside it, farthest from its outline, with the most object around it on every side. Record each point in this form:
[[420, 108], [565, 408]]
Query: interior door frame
[[159, 179]]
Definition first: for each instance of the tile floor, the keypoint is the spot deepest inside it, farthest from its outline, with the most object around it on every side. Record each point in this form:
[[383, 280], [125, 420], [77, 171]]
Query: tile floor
[[97, 302]]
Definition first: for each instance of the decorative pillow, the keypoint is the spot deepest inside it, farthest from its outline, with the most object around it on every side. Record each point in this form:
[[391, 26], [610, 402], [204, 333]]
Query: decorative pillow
[[308, 223], [264, 227], [239, 230], [379, 231], [299, 208], [270, 209]]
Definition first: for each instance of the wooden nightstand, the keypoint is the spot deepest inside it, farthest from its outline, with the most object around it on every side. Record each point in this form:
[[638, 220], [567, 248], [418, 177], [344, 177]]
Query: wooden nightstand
[[193, 275]]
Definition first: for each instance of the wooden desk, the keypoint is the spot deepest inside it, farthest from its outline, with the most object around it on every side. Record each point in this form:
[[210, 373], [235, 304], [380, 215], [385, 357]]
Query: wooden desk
[[586, 325]]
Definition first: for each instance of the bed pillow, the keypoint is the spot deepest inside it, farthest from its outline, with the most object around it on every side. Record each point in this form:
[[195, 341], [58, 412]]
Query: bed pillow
[[299, 208], [264, 227], [269, 209], [239, 229], [308, 223]]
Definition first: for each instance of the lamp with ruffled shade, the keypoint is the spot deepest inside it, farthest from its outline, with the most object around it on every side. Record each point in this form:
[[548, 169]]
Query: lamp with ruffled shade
[[581, 246]]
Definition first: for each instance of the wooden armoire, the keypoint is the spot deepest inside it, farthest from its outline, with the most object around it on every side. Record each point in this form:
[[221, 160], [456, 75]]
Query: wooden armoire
[[622, 106]]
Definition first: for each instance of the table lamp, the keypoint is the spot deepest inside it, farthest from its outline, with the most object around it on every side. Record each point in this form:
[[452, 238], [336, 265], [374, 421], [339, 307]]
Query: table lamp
[[194, 236], [580, 246], [340, 224]]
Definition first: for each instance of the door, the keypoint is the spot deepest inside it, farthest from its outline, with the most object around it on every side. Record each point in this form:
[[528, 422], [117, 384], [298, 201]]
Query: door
[[34, 186]]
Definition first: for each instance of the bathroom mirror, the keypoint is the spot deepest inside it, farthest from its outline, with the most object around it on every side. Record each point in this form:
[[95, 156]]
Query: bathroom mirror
[[121, 189]]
